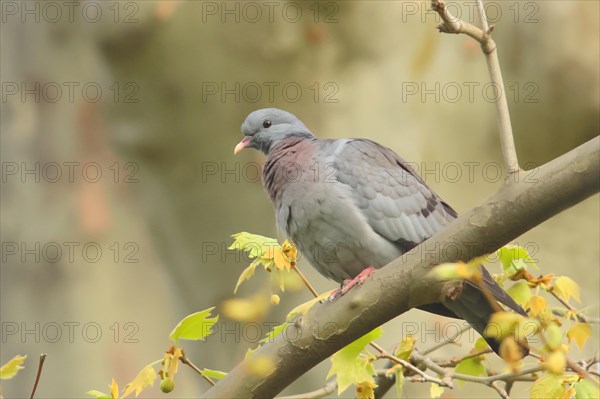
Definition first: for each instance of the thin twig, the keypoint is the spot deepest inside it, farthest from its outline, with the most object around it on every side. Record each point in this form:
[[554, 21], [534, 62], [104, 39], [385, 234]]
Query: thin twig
[[447, 341], [451, 24], [501, 391], [386, 355], [305, 280], [580, 316], [319, 393], [39, 374], [455, 360], [507, 376], [188, 362], [581, 371]]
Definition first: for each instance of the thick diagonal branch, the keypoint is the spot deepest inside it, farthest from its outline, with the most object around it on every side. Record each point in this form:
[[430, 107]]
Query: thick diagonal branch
[[405, 283]]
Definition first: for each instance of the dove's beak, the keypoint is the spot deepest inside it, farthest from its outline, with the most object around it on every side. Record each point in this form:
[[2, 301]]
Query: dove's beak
[[241, 145]]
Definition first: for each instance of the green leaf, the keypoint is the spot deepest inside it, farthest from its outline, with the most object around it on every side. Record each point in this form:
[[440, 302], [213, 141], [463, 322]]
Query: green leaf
[[12, 367], [520, 292], [399, 381], [195, 326], [586, 389], [257, 246], [274, 332], [513, 258], [471, 366], [553, 336], [250, 352], [481, 344], [406, 347], [351, 368], [216, 374], [548, 386], [97, 394]]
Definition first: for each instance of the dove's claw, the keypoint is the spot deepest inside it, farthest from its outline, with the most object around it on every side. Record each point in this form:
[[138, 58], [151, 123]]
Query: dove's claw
[[348, 284]]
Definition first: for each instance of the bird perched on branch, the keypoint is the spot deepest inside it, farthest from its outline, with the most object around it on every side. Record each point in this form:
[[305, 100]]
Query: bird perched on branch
[[352, 206]]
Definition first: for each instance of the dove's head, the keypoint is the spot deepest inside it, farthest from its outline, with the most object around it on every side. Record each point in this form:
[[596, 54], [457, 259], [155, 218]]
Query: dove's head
[[265, 127]]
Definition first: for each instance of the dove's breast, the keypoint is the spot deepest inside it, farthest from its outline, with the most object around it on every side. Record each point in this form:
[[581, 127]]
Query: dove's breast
[[314, 209]]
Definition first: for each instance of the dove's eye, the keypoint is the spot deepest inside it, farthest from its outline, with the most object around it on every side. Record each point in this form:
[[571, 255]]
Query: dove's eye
[[267, 124]]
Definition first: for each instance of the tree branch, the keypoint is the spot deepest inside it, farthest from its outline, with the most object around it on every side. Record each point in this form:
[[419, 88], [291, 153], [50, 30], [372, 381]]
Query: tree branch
[[451, 24], [405, 283]]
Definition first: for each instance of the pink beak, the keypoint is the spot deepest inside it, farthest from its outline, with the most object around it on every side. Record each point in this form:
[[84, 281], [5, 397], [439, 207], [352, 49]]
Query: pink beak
[[241, 145]]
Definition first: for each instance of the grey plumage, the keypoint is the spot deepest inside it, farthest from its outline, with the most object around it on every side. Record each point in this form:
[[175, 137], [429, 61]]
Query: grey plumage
[[352, 203]]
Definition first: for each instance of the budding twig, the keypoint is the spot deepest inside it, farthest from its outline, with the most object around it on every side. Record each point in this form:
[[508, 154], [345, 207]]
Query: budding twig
[[451, 24], [39, 374]]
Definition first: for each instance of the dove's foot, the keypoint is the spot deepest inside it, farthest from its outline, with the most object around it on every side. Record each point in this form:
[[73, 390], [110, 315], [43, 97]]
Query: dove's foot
[[348, 284]]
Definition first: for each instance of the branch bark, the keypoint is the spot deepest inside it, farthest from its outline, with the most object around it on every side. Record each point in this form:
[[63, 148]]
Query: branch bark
[[526, 199]]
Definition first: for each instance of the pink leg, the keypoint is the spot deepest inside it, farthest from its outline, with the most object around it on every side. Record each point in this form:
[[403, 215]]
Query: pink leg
[[348, 284]]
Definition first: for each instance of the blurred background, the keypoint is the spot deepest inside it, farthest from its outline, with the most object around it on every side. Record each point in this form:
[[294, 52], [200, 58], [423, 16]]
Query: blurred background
[[120, 190]]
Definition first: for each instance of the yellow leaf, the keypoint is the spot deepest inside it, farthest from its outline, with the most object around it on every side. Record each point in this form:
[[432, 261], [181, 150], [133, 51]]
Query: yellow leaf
[[548, 386], [171, 362], [579, 333], [277, 277], [537, 304], [261, 365], [459, 270], [246, 309], [511, 352], [290, 251], [556, 362], [365, 389], [12, 367], [566, 288], [305, 307], [502, 324], [145, 378], [435, 391], [246, 274], [569, 393], [285, 256], [114, 389], [98, 395]]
